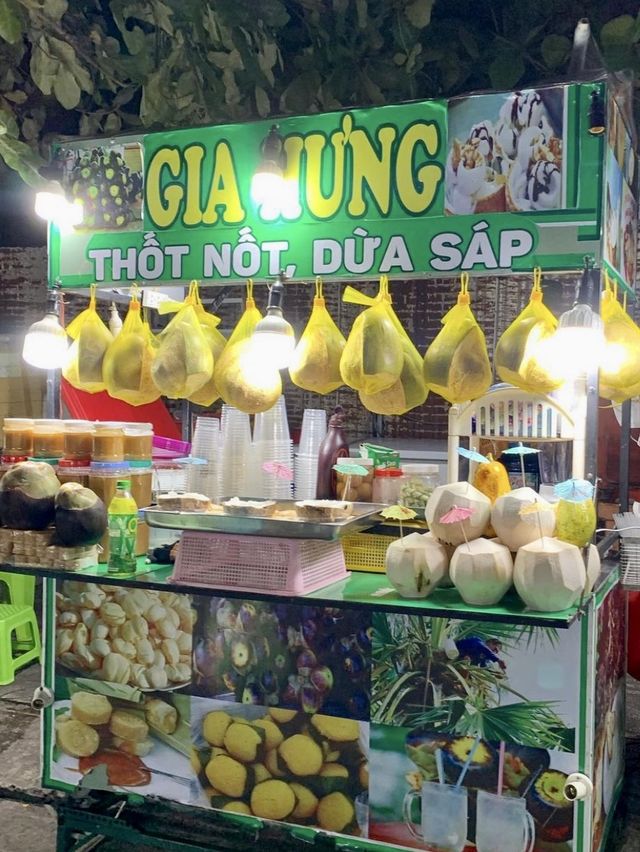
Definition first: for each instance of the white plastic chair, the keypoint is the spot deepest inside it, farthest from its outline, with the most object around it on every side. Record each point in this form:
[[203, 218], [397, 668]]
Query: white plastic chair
[[508, 414]]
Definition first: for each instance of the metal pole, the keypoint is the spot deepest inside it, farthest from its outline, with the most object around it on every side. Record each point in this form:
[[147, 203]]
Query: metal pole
[[592, 298], [623, 475]]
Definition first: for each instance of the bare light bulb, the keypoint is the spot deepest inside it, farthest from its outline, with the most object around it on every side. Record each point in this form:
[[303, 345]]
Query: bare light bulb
[[45, 345]]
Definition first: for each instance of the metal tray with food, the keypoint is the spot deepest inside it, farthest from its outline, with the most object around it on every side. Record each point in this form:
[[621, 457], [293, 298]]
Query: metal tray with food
[[281, 522]]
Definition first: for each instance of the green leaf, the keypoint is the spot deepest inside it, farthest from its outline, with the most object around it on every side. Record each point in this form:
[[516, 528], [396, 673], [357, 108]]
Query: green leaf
[[506, 69], [361, 10], [555, 50], [112, 123], [69, 59], [11, 22], [620, 30], [419, 13], [52, 9], [301, 93], [262, 102], [43, 66], [23, 159], [468, 41], [66, 89]]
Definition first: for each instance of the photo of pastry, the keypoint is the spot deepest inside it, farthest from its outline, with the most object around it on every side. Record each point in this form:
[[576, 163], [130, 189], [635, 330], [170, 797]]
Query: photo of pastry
[[612, 212], [505, 152], [307, 658], [629, 235], [138, 637], [113, 737], [282, 764]]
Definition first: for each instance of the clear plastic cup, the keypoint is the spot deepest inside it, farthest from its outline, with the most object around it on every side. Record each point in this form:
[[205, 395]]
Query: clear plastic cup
[[314, 429], [272, 425]]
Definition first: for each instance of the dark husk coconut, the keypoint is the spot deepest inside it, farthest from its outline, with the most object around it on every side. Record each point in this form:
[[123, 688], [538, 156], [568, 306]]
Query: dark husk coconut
[[81, 516], [27, 493]]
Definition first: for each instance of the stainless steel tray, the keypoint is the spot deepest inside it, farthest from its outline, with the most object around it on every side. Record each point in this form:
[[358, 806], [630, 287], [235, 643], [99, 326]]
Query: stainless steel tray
[[363, 517]]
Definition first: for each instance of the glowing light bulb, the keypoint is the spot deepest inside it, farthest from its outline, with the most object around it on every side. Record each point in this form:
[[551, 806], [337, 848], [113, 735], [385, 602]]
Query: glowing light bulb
[[45, 345]]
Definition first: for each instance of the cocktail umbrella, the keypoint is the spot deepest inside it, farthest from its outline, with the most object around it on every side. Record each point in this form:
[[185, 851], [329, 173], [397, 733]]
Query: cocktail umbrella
[[278, 469], [574, 490], [472, 455], [349, 470], [521, 451], [456, 515], [397, 513]]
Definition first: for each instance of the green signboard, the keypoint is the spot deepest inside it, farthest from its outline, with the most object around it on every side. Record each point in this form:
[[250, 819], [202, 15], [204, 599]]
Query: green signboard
[[487, 184]]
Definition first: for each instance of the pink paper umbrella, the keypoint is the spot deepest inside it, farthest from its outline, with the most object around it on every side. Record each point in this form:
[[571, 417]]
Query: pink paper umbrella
[[456, 515], [279, 470]]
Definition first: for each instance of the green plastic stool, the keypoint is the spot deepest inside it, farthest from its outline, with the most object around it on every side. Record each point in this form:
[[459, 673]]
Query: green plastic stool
[[13, 617], [21, 588]]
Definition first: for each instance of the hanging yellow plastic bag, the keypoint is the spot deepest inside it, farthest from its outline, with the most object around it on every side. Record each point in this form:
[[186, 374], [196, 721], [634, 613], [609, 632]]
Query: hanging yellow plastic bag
[[242, 378], [620, 364], [372, 358], [208, 393], [315, 365], [183, 362], [456, 365], [91, 339], [522, 356], [409, 389], [127, 363]]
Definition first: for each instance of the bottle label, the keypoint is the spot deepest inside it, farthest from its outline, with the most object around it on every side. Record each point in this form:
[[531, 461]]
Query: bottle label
[[122, 537]]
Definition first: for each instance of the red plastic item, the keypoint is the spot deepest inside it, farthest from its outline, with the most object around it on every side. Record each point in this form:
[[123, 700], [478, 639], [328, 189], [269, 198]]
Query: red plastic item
[[101, 406]]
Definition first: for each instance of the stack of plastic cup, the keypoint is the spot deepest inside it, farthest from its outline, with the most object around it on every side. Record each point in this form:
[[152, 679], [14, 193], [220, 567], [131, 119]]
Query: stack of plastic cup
[[205, 478], [235, 456], [314, 429], [272, 444]]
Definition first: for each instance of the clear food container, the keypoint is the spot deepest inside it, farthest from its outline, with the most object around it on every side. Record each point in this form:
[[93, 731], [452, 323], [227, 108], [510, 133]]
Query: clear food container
[[138, 441], [73, 470], [108, 443], [78, 440], [417, 484], [48, 439], [360, 488], [17, 436], [386, 485]]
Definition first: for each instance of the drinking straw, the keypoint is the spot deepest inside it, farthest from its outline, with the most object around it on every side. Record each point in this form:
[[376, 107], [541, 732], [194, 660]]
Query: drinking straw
[[501, 766], [467, 763], [440, 766]]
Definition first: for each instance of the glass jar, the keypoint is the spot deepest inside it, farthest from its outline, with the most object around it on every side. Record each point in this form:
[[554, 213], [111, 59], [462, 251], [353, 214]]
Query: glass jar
[[78, 440], [360, 488], [138, 441], [386, 485], [17, 436], [48, 439], [418, 482], [73, 470], [108, 443]]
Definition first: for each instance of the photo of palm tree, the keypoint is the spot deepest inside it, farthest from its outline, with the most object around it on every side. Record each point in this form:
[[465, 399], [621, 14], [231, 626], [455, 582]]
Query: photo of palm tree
[[467, 678]]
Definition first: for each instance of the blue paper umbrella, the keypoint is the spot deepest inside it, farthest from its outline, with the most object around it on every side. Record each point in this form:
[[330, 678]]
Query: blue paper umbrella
[[574, 490], [472, 455], [521, 451]]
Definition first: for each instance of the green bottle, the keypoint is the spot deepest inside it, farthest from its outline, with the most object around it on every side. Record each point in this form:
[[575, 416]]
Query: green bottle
[[123, 528]]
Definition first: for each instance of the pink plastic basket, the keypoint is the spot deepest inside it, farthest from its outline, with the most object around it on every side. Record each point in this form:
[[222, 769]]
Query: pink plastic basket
[[281, 566]]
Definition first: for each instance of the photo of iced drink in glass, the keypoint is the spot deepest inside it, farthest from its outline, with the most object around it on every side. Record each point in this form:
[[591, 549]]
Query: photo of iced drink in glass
[[443, 824]]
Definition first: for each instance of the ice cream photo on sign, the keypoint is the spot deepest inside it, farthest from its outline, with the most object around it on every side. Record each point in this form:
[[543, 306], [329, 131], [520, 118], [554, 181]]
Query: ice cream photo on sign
[[505, 152]]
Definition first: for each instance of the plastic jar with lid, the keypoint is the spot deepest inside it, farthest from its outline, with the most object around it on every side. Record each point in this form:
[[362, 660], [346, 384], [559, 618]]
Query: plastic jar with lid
[[360, 488], [17, 436], [418, 482], [73, 470], [108, 442], [138, 441], [141, 477], [386, 485], [48, 439], [78, 440]]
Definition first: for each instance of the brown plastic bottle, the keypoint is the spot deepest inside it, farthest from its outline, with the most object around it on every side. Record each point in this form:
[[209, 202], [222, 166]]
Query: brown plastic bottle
[[334, 447]]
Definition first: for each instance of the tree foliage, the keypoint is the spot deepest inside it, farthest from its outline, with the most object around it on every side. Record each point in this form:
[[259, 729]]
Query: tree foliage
[[94, 67]]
